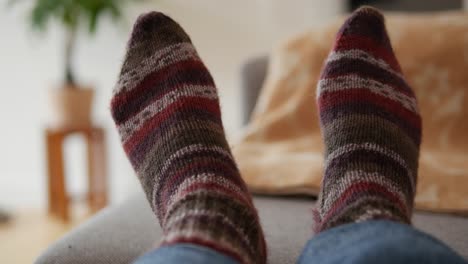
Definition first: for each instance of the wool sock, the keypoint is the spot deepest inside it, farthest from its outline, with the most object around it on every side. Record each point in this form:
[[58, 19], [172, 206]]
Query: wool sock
[[166, 109], [371, 128]]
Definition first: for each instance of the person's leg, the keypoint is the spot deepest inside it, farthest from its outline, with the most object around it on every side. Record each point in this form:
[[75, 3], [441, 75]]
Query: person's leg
[[372, 132], [377, 241], [166, 109], [185, 253]]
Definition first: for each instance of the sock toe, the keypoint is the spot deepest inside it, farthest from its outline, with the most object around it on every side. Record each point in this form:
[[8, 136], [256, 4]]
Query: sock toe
[[365, 23], [369, 11], [365, 35], [156, 41], [157, 30]]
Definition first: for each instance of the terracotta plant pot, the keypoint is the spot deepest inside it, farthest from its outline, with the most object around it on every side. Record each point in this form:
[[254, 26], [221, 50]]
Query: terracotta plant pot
[[70, 108]]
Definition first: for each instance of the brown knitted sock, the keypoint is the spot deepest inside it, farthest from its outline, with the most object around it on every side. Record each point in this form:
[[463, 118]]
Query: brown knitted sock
[[371, 128], [167, 112]]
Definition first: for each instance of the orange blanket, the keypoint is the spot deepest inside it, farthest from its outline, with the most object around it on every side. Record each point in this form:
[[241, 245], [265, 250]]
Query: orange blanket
[[281, 150]]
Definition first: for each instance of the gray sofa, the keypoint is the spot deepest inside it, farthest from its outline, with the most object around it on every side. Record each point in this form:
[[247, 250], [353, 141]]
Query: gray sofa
[[121, 233]]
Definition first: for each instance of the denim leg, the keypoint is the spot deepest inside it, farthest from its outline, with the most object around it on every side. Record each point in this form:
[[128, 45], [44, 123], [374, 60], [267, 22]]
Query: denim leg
[[377, 241], [184, 253]]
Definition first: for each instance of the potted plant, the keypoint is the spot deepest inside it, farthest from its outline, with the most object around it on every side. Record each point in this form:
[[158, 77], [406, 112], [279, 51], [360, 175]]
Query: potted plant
[[71, 105]]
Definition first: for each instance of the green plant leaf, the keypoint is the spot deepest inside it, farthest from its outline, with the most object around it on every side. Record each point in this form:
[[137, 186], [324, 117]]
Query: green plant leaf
[[73, 14]]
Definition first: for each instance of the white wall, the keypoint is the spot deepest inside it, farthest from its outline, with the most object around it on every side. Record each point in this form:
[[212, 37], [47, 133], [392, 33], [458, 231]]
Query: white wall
[[225, 32]]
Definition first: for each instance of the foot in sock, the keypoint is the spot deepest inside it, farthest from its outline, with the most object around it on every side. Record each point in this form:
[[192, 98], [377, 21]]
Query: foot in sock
[[371, 128], [166, 109]]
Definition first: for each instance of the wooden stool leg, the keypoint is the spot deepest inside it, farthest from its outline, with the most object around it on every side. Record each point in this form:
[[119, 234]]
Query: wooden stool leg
[[58, 201], [97, 165], [51, 170]]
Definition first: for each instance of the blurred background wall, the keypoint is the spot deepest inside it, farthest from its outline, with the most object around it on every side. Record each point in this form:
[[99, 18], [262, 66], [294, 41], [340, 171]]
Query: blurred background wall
[[225, 32]]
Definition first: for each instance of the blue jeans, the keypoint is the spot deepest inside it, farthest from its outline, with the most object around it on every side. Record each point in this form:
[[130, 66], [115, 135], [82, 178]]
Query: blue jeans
[[377, 241]]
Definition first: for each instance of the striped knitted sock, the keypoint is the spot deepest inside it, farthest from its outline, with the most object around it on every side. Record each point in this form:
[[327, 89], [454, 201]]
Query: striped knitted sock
[[371, 128], [166, 108]]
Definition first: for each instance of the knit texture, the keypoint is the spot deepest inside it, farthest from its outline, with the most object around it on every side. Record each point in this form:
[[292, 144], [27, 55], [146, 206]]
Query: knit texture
[[166, 109], [371, 128]]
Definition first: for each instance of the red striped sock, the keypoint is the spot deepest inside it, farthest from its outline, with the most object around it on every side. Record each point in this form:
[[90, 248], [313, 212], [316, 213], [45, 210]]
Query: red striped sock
[[167, 112], [371, 128]]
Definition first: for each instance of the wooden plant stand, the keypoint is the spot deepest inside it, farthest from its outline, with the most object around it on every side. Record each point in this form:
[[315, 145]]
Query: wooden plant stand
[[97, 178]]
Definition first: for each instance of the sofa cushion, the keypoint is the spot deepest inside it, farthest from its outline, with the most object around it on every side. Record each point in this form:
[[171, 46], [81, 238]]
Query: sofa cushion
[[121, 233]]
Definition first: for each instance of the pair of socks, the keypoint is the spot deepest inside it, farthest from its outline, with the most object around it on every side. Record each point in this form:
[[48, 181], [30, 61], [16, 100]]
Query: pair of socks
[[166, 109]]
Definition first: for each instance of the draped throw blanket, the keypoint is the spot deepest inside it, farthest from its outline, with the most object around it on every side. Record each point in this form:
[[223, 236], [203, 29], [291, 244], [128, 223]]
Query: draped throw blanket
[[281, 151]]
